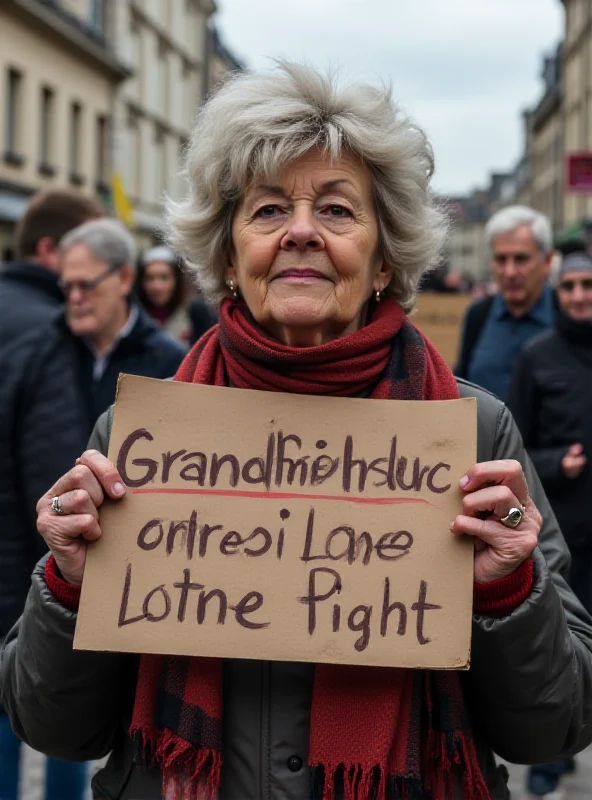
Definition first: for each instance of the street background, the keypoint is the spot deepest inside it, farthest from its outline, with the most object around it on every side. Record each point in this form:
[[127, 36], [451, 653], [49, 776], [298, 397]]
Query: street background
[[100, 96]]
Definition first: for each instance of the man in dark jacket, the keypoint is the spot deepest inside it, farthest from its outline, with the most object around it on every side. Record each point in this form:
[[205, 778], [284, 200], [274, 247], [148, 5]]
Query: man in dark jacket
[[551, 398], [495, 328], [107, 331], [41, 426]]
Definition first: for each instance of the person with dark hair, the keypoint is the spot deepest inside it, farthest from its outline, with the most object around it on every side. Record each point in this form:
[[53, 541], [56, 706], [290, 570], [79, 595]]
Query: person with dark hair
[[41, 428], [160, 288]]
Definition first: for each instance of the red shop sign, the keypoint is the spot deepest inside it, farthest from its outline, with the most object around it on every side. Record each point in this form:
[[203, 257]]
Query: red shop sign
[[579, 172]]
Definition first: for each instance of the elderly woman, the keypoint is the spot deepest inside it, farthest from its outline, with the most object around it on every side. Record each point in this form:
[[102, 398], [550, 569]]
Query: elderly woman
[[309, 217]]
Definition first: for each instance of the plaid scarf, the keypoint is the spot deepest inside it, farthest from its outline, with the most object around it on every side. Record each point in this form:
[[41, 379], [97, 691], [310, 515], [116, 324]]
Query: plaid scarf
[[376, 734]]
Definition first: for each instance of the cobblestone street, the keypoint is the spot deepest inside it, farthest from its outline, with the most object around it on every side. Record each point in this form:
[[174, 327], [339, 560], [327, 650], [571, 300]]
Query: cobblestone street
[[577, 786]]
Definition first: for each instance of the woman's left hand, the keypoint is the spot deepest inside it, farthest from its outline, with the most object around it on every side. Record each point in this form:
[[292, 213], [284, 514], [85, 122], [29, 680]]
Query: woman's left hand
[[492, 489]]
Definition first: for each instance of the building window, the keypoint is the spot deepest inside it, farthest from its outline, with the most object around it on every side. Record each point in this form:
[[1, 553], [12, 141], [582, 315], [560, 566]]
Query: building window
[[160, 164], [75, 127], [46, 132], [134, 155], [163, 77], [102, 145], [97, 16], [12, 120]]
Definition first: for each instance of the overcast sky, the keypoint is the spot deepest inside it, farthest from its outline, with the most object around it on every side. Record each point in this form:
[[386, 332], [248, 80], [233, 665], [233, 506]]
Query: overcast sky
[[463, 68]]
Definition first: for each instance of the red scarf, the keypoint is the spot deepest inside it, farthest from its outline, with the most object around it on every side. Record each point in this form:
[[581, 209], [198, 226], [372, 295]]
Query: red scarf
[[380, 733]]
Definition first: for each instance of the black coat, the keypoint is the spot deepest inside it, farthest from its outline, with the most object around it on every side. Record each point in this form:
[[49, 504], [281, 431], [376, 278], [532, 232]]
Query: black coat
[[146, 351], [551, 400], [42, 426]]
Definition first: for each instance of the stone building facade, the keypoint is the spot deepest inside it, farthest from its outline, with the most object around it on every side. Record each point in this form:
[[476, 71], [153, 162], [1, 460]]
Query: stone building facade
[[58, 78], [164, 43]]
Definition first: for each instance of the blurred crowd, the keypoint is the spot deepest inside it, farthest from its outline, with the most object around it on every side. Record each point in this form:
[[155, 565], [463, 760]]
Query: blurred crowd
[[79, 305], [530, 343]]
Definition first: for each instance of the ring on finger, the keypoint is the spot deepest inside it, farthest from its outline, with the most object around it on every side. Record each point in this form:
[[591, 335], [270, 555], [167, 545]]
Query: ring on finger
[[514, 517], [55, 506]]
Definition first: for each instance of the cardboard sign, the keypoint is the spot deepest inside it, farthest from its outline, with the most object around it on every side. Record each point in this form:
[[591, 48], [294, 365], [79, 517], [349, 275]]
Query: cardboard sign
[[283, 527], [440, 317]]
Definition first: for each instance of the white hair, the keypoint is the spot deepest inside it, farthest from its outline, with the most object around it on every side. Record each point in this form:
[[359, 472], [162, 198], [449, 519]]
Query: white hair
[[256, 124], [508, 219], [107, 239]]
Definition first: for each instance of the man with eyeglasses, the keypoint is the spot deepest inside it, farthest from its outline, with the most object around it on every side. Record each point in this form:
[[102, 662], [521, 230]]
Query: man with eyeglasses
[[495, 328], [551, 400], [109, 331], [42, 430]]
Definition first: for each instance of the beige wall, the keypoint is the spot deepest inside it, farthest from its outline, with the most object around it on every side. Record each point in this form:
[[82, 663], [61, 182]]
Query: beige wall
[[44, 62], [466, 249], [578, 96], [547, 184], [163, 43]]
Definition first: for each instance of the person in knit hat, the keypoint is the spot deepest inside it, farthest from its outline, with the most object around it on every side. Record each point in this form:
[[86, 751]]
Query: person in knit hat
[[551, 397], [160, 288]]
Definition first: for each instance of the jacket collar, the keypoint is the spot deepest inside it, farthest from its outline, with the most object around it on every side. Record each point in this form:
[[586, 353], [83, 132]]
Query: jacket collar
[[142, 329], [541, 311], [34, 276], [579, 333]]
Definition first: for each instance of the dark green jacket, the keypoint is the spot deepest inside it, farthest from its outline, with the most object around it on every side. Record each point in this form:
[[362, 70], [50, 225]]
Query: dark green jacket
[[529, 688]]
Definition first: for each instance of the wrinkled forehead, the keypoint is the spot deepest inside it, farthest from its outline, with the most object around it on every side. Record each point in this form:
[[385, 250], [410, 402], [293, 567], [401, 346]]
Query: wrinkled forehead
[[78, 260], [519, 240], [576, 275], [315, 170]]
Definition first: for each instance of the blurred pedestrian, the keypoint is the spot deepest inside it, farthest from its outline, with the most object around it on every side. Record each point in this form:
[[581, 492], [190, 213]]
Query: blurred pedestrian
[[111, 333], [41, 429], [160, 288], [551, 398], [202, 317], [495, 328]]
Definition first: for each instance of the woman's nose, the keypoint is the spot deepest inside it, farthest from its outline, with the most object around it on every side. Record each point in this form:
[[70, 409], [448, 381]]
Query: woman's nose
[[578, 294], [303, 232]]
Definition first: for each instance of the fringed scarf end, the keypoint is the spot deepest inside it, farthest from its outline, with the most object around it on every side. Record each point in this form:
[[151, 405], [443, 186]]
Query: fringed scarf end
[[145, 740], [355, 782], [188, 773]]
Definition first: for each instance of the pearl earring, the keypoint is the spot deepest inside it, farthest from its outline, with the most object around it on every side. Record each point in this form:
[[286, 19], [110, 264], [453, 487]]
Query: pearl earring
[[378, 296], [230, 284]]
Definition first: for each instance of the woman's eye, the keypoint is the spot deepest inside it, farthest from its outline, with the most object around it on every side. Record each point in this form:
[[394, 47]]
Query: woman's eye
[[338, 211], [268, 211]]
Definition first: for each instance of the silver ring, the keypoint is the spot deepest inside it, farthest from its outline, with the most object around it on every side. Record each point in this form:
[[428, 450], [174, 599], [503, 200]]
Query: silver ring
[[513, 518], [55, 506]]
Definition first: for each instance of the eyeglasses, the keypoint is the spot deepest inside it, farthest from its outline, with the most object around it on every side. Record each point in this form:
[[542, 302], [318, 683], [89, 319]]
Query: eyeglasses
[[569, 286], [85, 287]]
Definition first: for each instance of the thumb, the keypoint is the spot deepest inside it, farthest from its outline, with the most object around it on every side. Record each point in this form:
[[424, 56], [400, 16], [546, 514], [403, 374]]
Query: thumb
[[576, 449]]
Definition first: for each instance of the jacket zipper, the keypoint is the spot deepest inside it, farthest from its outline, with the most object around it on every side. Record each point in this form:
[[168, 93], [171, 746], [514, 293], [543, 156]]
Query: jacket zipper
[[266, 731]]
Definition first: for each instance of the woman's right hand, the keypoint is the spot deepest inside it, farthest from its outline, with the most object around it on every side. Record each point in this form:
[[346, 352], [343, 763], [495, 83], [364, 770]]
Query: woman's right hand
[[81, 491]]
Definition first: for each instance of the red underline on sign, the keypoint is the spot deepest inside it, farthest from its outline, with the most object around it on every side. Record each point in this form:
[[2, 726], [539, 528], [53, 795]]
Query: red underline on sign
[[374, 501]]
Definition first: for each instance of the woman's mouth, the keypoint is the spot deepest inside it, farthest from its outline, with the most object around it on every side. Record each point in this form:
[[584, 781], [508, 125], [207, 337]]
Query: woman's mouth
[[306, 275]]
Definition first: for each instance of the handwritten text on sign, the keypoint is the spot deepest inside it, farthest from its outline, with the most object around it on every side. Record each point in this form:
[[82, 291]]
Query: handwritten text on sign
[[283, 527]]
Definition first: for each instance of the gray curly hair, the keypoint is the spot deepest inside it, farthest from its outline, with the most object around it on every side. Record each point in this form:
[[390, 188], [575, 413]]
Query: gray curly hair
[[256, 124]]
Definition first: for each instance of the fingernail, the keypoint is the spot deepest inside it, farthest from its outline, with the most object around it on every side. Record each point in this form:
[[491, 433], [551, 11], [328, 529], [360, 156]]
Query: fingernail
[[451, 526], [464, 481], [118, 488]]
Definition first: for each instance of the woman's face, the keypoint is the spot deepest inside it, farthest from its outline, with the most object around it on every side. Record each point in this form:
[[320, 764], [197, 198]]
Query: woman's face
[[159, 283], [575, 295], [305, 250]]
